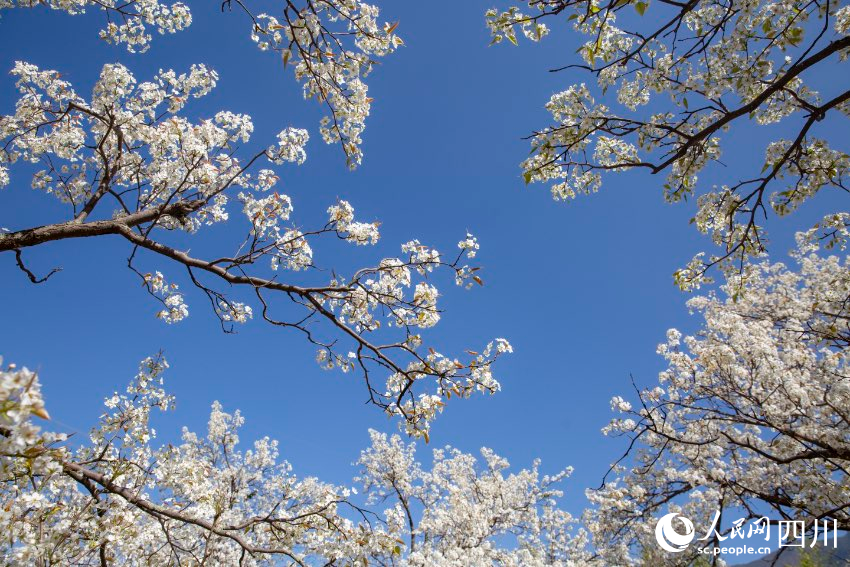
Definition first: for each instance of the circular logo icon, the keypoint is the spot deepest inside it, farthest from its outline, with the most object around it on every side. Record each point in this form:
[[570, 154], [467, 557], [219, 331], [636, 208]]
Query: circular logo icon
[[667, 536]]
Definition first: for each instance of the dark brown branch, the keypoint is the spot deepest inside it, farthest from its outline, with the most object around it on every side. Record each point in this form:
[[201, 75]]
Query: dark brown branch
[[33, 278]]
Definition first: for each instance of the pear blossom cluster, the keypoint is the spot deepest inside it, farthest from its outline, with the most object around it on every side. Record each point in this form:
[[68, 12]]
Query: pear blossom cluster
[[341, 215], [121, 497], [672, 80], [24, 447], [359, 304], [128, 162], [749, 414], [294, 250], [331, 46], [468, 508], [453, 379], [470, 245], [290, 146], [504, 25], [129, 23], [175, 308], [234, 311], [142, 143]]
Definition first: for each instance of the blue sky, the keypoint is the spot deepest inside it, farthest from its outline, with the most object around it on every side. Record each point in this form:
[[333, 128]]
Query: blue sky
[[583, 291]]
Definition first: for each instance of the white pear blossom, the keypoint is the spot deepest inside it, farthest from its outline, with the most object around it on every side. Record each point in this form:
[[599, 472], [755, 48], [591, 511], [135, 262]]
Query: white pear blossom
[[175, 307], [234, 311], [341, 215], [748, 415], [671, 84], [128, 23], [290, 146], [469, 245], [458, 512], [119, 497], [331, 46], [127, 162]]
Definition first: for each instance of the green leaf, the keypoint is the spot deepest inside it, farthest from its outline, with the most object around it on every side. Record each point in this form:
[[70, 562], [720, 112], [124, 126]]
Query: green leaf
[[640, 7], [795, 36], [527, 177], [685, 102], [512, 39]]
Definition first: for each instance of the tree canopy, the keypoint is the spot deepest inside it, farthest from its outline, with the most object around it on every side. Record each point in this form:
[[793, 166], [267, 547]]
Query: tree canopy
[[750, 412]]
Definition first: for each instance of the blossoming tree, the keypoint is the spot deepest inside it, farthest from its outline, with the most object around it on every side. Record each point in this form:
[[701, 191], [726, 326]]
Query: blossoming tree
[[751, 413], [682, 76], [118, 499], [330, 44], [130, 163], [127, 162]]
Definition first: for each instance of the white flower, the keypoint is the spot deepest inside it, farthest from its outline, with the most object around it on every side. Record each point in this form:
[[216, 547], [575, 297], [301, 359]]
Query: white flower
[[290, 146], [470, 245]]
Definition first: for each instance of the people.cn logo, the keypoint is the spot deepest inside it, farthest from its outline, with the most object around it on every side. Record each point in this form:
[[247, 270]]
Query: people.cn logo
[[667, 536]]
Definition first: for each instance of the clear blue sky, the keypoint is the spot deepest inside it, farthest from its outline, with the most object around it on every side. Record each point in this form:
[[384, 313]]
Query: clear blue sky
[[583, 291]]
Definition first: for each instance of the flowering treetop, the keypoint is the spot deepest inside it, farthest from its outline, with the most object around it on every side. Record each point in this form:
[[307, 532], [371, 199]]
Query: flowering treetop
[[684, 74], [750, 414], [118, 499], [128, 163], [128, 23], [330, 44]]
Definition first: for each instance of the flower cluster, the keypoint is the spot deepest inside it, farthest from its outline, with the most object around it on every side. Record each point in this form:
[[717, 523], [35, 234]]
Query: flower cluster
[[704, 67], [129, 22], [503, 25], [749, 413], [234, 311], [341, 216], [145, 144], [331, 45], [467, 508], [175, 307], [119, 497], [469, 245], [24, 447], [166, 173], [454, 378], [290, 146]]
